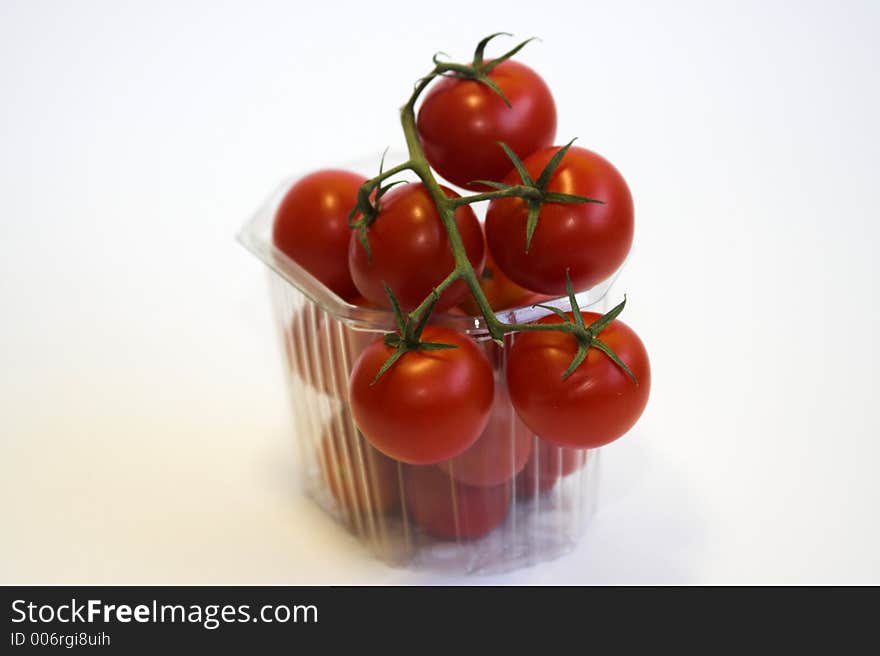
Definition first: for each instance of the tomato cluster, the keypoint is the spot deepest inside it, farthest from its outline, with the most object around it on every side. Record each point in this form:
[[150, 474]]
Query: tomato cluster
[[462, 498], [457, 438]]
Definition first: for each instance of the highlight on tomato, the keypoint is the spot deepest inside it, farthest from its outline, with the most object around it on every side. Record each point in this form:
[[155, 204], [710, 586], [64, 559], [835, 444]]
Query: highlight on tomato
[[311, 226]]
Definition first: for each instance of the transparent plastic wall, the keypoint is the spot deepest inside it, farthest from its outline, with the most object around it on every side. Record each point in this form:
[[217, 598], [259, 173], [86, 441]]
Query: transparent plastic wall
[[512, 499]]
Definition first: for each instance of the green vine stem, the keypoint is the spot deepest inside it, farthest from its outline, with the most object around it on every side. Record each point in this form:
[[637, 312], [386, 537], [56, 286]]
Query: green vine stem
[[418, 163], [533, 193]]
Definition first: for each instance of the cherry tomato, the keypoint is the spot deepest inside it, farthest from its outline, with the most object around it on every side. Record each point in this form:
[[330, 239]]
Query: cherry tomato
[[449, 510], [311, 226], [597, 403], [461, 122], [430, 405], [410, 249], [589, 239], [361, 479], [546, 466], [499, 454], [501, 292]]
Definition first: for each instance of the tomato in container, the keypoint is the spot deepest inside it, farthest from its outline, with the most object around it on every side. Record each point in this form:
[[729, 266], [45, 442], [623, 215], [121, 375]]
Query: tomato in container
[[548, 464], [360, 478], [449, 510], [500, 452]]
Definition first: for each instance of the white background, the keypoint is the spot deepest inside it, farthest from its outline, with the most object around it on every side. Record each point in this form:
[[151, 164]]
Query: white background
[[145, 434]]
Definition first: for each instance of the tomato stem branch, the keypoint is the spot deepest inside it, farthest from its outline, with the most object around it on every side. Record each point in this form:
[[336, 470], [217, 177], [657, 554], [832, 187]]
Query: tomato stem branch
[[446, 207], [533, 193]]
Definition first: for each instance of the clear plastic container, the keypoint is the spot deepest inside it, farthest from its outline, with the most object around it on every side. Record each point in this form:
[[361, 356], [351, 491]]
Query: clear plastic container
[[538, 499]]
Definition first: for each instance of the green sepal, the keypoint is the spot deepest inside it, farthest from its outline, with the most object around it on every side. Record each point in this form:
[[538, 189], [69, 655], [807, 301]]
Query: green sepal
[[382, 161], [602, 346], [434, 346], [384, 189], [602, 322], [478, 70], [532, 223], [507, 55], [481, 48], [555, 310], [381, 190], [422, 320], [395, 307], [394, 357], [517, 164], [568, 199], [489, 82], [353, 212], [364, 241], [552, 165], [436, 58], [572, 299], [578, 359]]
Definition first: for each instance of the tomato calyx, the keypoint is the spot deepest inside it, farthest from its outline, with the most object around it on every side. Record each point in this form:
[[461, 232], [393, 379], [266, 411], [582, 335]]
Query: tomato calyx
[[534, 192], [410, 327], [588, 336], [479, 69], [367, 204]]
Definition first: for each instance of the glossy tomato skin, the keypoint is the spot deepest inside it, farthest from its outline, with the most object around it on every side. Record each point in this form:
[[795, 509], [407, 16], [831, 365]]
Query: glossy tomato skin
[[546, 466], [311, 226], [501, 292], [500, 452], [430, 405], [461, 122], [596, 404], [410, 249], [589, 239], [447, 509]]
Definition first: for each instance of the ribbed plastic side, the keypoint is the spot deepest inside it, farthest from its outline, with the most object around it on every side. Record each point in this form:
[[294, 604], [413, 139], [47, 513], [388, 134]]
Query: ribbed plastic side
[[514, 500]]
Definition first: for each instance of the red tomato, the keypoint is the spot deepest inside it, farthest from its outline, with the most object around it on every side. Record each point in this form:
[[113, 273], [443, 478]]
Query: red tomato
[[501, 292], [461, 122], [430, 405], [450, 510], [361, 479], [499, 454], [546, 466], [596, 404], [311, 226], [410, 249], [589, 239]]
